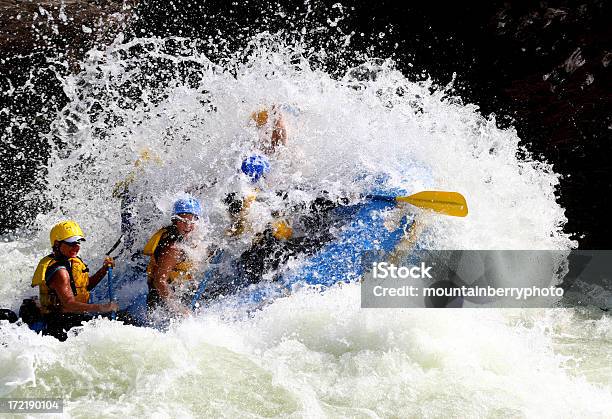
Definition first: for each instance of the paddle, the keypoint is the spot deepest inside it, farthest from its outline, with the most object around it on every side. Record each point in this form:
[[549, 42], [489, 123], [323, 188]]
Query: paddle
[[117, 243], [110, 290], [448, 203], [110, 276]]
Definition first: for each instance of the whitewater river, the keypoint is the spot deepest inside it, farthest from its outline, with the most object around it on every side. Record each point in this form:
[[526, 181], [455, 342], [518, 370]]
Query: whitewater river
[[310, 354]]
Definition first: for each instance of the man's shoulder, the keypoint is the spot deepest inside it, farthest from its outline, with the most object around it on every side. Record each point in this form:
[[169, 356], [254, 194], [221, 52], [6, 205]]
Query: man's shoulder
[[55, 272]]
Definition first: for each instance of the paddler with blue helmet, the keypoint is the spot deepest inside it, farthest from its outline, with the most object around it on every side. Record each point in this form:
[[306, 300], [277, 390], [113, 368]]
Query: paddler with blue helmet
[[273, 245], [169, 264], [255, 168], [64, 282]]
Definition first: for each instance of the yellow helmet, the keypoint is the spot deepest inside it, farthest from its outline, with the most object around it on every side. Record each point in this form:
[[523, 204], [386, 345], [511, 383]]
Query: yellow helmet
[[66, 231], [281, 230], [145, 155], [260, 117]]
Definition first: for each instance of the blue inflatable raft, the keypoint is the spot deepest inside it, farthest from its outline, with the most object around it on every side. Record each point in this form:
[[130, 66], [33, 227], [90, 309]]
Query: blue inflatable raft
[[368, 231]]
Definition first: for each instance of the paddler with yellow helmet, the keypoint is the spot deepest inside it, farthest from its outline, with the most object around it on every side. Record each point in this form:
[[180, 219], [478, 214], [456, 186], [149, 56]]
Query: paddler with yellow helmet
[[169, 264], [64, 282], [273, 244], [272, 130]]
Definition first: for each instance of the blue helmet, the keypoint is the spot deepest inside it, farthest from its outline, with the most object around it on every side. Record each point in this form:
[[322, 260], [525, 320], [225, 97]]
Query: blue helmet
[[255, 167], [188, 205]]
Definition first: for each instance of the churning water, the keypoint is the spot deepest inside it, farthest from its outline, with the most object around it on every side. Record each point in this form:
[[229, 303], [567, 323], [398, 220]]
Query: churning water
[[310, 354]]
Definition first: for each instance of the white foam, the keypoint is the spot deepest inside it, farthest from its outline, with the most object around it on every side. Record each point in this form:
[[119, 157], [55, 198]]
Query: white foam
[[308, 354], [320, 354]]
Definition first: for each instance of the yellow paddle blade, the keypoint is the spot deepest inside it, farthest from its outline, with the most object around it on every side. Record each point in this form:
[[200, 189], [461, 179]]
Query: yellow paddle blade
[[449, 203]]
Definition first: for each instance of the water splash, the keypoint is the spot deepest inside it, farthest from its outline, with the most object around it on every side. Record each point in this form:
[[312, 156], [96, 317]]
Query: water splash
[[166, 96], [309, 353]]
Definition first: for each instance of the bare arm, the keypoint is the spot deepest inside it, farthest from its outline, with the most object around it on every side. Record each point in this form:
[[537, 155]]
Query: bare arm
[[60, 283], [279, 132], [165, 264], [97, 277]]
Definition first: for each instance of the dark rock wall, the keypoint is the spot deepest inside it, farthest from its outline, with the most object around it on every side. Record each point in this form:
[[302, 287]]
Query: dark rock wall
[[543, 67], [39, 41], [556, 79]]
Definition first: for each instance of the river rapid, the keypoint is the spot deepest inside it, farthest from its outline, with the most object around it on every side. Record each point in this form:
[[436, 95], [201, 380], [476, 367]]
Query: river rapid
[[309, 354]]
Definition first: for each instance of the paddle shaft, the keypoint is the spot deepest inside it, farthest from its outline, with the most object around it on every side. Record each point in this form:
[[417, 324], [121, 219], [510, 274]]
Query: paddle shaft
[[117, 243], [111, 293]]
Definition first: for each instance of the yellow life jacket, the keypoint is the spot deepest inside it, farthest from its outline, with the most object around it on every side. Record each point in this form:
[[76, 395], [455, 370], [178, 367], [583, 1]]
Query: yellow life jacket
[[281, 229], [240, 222], [79, 281], [182, 270]]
